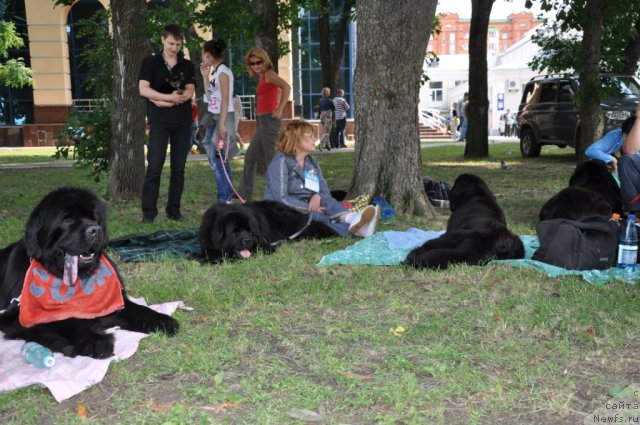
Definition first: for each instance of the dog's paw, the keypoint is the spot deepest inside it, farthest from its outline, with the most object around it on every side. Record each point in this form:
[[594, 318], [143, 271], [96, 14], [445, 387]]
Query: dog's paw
[[97, 346], [161, 323]]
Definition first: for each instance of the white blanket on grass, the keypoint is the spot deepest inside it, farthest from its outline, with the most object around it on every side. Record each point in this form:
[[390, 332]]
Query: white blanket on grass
[[70, 375]]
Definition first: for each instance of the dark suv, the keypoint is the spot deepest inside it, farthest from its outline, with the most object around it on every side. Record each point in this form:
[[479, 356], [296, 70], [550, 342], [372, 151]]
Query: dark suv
[[548, 115]]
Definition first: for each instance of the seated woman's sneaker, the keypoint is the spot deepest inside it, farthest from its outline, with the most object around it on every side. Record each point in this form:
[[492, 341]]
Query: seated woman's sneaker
[[365, 225]]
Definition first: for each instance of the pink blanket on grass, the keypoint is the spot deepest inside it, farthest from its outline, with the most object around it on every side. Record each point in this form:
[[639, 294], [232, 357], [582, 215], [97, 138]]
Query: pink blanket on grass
[[70, 375]]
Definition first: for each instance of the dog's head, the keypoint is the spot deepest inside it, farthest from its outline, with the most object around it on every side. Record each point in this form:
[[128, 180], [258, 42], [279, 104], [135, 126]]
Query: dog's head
[[468, 187], [67, 223], [230, 231]]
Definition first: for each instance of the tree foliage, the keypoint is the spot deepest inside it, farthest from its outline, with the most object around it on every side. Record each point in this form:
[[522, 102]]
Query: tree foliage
[[13, 72], [560, 39]]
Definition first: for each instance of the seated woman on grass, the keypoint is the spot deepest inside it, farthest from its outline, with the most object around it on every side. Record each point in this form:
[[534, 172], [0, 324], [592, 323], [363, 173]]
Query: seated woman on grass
[[294, 178]]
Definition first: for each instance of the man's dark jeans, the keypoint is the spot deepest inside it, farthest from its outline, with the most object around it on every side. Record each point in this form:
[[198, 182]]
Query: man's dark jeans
[[341, 126], [159, 136]]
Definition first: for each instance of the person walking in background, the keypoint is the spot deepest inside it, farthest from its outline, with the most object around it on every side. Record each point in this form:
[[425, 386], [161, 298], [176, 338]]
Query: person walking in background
[[453, 123], [341, 109], [220, 140], [327, 111], [506, 117], [168, 82], [272, 94], [514, 125], [463, 117]]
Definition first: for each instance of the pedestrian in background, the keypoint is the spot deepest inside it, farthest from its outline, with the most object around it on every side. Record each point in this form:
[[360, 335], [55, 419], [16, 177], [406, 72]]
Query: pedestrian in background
[[342, 107]]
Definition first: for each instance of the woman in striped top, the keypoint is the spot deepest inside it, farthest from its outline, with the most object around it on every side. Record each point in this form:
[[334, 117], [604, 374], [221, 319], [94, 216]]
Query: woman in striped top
[[342, 107]]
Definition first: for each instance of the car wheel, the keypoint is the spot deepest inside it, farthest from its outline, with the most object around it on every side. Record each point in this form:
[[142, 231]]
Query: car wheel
[[529, 147]]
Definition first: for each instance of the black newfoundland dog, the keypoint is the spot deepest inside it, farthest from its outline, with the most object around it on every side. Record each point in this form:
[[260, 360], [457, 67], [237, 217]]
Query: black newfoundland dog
[[476, 231], [59, 289], [238, 231], [592, 192]]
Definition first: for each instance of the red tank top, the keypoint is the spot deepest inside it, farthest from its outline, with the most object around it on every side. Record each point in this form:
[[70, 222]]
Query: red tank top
[[267, 96]]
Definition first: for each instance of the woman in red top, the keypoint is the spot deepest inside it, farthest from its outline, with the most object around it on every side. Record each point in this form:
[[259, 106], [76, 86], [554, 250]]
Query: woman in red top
[[272, 94]]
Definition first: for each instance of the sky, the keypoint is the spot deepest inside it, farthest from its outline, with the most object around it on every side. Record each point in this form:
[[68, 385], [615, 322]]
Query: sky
[[500, 9]]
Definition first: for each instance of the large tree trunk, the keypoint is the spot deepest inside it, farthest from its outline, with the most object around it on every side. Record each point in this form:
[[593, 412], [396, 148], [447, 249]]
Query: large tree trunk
[[632, 52], [267, 35], [590, 112], [392, 42], [126, 162], [477, 112]]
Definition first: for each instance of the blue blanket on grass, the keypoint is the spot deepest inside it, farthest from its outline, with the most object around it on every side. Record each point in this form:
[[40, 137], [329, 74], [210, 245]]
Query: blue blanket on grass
[[392, 247]]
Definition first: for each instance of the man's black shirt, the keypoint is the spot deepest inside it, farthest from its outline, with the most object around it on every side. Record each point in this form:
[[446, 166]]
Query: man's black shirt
[[154, 70]]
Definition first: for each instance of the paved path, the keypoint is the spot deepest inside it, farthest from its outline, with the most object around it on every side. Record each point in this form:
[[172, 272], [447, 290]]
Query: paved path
[[69, 163]]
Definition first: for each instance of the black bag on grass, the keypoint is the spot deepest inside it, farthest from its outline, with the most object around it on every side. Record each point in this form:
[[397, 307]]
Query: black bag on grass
[[437, 191], [578, 244]]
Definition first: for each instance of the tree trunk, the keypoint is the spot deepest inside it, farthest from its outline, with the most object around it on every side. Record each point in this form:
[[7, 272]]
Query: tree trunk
[[477, 145], [632, 52], [324, 35], [341, 35], [590, 112], [392, 42], [126, 162], [267, 34]]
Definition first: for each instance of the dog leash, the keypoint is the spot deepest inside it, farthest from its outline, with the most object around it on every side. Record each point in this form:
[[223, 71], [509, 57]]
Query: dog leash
[[296, 234]]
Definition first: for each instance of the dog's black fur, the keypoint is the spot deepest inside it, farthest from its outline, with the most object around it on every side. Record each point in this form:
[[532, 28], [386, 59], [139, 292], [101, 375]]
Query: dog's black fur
[[69, 221], [592, 192], [227, 231], [476, 230]]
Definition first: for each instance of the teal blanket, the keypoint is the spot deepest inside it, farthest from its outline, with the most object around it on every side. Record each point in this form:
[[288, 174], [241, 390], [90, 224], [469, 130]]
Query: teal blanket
[[375, 250]]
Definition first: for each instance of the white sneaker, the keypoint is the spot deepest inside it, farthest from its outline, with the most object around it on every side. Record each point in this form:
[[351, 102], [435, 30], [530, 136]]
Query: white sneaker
[[365, 226]]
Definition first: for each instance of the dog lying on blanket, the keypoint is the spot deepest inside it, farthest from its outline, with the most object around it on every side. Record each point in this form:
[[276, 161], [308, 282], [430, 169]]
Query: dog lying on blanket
[[476, 231], [238, 231], [592, 192], [69, 291]]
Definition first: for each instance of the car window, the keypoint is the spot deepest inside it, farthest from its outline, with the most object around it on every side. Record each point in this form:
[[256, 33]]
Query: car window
[[566, 92], [548, 93], [531, 93], [621, 86]]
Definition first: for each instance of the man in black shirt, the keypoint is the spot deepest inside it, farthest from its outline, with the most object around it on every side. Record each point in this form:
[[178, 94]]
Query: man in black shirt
[[168, 82]]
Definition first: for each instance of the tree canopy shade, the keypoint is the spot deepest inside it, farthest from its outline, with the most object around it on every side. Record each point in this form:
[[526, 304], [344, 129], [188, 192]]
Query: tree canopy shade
[[13, 72], [589, 37], [392, 43]]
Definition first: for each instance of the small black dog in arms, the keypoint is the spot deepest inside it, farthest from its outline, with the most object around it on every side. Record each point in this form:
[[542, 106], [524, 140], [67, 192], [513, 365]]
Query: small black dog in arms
[[592, 192], [58, 287], [239, 231], [476, 231]]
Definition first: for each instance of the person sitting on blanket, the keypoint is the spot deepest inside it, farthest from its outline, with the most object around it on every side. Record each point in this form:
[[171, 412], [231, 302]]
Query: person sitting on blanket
[[295, 179], [626, 138]]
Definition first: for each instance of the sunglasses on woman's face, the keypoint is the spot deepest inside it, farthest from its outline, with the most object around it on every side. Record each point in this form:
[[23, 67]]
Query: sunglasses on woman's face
[[259, 62]]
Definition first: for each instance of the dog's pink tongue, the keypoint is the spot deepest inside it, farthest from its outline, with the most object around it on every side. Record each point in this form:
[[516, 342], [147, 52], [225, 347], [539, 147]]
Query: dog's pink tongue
[[70, 269], [245, 253]]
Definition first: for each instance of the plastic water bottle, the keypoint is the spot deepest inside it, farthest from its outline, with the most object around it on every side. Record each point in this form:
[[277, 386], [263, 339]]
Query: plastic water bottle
[[628, 246], [38, 355]]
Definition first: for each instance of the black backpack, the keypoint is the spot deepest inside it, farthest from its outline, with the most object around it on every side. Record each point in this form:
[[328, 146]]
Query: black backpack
[[436, 190], [578, 244]]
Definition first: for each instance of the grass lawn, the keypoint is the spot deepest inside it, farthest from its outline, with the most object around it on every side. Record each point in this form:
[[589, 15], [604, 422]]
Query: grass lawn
[[275, 335]]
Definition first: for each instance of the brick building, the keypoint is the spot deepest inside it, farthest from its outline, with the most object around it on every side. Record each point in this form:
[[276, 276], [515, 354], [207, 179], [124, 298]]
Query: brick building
[[454, 36]]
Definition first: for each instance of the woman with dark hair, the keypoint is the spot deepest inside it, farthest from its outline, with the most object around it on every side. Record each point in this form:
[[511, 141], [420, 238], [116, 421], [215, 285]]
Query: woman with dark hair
[[220, 140], [272, 94], [327, 112]]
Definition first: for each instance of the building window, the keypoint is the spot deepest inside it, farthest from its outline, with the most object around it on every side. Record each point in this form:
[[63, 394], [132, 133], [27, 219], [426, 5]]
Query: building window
[[448, 26], [522, 24], [504, 36], [307, 72], [466, 35], [465, 47], [436, 91]]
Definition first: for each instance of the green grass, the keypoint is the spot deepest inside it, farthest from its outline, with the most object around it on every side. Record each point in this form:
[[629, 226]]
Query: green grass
[[276, 333]]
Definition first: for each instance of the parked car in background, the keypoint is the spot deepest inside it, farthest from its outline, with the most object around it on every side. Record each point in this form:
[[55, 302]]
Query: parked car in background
[[549, 115]]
